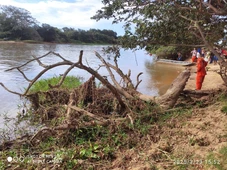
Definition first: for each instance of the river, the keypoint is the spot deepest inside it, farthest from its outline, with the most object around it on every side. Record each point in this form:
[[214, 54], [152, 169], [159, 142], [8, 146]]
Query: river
[[156, 77]]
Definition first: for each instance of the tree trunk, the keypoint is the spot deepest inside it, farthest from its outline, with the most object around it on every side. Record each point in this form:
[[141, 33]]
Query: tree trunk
[[169, 99]]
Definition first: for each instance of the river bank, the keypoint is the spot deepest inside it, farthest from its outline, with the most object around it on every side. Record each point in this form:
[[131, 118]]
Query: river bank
[[42, 42], [212, 80], [192, 135], [10, 42]]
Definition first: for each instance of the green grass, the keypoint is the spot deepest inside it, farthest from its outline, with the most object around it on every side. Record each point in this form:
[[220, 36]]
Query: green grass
[[222, 98], [175, 114], [70, 82], [32, 41], [218, 161]]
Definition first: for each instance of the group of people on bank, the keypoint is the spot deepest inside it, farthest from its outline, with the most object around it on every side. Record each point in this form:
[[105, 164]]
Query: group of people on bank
[[202, 58], [207, 55]]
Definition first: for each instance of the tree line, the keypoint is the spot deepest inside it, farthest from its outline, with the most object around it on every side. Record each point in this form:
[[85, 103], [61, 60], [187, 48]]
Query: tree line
[[18, 24]]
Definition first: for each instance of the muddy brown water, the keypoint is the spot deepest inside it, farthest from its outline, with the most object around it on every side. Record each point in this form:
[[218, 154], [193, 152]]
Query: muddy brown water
[[156, 77]]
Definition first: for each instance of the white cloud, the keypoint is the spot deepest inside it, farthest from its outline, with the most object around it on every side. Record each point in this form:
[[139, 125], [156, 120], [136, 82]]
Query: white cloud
[[61, 13]]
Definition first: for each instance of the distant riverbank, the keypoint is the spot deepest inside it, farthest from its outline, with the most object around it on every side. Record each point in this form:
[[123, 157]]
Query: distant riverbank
[[42, 42], [8, 42]]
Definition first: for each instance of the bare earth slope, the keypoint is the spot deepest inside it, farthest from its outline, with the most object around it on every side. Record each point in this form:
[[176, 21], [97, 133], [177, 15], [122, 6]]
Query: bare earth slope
[[195, 139]]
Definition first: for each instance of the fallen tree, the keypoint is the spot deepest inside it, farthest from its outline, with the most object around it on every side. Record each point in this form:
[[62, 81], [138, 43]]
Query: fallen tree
[[99, 104], [123, 90]]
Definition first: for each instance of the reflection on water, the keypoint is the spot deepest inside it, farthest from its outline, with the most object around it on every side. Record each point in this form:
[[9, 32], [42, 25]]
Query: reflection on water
[[162, 75], [156, 78]]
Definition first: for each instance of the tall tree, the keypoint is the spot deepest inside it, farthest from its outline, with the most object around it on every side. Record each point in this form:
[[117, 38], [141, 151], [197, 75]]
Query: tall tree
[[48, 33], [192, 23], [168, 22], [15, 21]]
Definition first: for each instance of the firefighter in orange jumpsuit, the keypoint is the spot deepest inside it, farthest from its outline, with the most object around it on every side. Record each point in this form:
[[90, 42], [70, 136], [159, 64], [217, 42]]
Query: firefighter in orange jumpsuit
[[201, 71]]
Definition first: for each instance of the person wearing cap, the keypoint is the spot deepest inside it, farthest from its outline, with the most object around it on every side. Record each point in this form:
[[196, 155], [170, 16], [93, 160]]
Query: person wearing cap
[[201, 71]]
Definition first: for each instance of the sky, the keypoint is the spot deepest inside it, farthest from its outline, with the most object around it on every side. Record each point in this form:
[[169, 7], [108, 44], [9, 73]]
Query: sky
[[66, 13]]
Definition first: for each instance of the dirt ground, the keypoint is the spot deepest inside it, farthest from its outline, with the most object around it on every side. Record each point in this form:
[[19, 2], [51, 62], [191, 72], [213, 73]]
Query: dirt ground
[[212, 80], [188, 140], [194, 138]]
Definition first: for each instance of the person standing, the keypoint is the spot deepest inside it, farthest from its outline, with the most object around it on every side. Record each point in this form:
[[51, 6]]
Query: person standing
[[207, 56], [215, 58], [203, 52], [199, 50], [201, 72], [179, 57], [224, 53], [194, 58]]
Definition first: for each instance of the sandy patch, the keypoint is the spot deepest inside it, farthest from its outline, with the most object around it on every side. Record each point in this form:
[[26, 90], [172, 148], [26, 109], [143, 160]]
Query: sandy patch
[[212, 80], [10, 42], [193, 137]]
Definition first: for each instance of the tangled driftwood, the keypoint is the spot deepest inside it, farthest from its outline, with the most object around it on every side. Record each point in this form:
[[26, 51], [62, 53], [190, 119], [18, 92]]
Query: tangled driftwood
[[117, 98], [128, 91]]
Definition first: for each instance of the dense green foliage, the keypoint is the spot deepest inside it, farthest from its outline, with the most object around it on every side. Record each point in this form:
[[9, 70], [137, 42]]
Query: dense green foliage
[[18, 24], [151, 23]]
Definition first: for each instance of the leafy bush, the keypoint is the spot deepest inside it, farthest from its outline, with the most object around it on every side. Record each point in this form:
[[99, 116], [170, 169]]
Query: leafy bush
[[70, 82]]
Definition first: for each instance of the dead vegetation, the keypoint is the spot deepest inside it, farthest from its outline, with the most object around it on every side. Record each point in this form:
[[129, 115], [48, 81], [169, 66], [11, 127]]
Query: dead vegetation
[[114, 126], [117, 98]]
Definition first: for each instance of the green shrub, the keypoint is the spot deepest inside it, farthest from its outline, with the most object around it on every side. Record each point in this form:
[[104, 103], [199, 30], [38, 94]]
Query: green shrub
[[70, 82]]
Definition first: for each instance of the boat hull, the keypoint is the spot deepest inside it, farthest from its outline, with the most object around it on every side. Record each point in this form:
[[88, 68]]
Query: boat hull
[[175, 62]]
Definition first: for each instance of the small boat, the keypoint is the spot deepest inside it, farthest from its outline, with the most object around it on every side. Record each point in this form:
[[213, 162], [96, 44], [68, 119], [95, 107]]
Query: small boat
[[175, 62]]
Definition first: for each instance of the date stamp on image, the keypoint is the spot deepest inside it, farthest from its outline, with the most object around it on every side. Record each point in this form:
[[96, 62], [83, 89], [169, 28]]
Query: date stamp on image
[[196, 162]]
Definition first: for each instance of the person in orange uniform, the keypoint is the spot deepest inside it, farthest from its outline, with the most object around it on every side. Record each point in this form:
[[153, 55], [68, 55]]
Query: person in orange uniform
[[201, 71]]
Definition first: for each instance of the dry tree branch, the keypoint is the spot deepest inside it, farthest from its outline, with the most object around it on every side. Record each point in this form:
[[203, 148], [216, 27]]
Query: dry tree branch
[[66, 62], [58, 55], [129, 73], [100, 66], [117, 91], [99, 121], [87, 113], [37, 134], [63, 77], [24, 75], [108, 69], [67, 71], [44, 71], [126, 79], [40, 63], [138, 81], [215, 10], [10, 90], [207, 43], [79, 65], [29, 61], [108, 66], [202, 36], [103, 81]]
